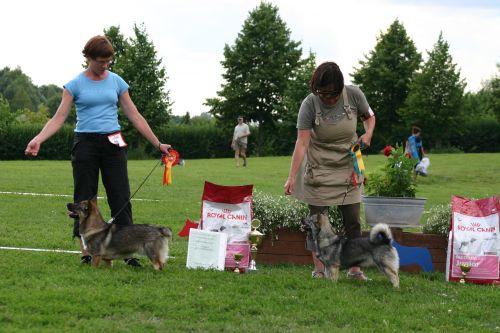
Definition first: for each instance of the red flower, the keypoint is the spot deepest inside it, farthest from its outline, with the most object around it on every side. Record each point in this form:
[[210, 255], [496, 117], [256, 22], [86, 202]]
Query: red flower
[[388, 150]]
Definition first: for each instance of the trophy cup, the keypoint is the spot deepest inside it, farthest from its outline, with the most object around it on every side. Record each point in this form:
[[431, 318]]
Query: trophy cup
[[255, 238], [465, 268], [237, 259]]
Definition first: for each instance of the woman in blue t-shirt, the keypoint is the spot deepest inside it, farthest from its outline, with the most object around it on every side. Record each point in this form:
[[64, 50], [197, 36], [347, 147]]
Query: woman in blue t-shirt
[[98, 145]]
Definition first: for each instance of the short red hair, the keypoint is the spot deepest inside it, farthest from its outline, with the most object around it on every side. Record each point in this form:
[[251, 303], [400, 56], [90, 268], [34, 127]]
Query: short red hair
[[98, 46]]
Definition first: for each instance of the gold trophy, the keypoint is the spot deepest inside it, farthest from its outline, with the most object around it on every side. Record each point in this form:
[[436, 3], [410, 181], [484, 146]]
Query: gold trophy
[[255, 238], [237, 259], [465, 268]]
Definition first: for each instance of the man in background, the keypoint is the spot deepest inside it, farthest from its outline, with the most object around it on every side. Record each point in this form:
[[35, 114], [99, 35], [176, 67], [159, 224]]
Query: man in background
[[240, 140]]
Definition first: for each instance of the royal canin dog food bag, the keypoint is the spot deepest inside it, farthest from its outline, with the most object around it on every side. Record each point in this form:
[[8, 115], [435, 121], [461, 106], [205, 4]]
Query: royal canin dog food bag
[[228, 209], [474, 241]]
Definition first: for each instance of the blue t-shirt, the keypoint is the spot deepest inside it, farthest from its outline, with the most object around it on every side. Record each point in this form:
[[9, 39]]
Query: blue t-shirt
[[415, 146], [96, 102]]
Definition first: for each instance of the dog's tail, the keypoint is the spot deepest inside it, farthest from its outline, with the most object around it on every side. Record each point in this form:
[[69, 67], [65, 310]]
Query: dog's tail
[[166, 231], [381, 234]]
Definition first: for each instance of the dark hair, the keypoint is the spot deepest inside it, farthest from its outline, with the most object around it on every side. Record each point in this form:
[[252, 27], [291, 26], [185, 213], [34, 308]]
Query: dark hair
[[98, 46], [240, 117], [415, 130], [327, 73]]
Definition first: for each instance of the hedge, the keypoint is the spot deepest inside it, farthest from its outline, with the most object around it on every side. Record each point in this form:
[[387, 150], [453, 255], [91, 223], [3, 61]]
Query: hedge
[[212, 141], [15, 138]]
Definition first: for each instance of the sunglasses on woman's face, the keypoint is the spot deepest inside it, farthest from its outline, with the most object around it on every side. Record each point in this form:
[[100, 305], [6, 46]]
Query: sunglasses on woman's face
[[103, 62], [328, 94]]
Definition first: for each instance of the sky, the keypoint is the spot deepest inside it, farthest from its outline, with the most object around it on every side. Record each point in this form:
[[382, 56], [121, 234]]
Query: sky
[[45, 38]]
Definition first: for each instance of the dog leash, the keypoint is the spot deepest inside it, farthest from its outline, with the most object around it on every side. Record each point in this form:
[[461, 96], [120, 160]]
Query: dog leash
[[128, 201]]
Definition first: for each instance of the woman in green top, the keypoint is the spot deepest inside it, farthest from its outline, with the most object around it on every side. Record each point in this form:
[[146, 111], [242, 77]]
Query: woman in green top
[[326, 131]]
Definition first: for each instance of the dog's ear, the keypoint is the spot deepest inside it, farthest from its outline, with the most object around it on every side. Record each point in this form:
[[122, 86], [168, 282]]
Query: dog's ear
[[92, 204]]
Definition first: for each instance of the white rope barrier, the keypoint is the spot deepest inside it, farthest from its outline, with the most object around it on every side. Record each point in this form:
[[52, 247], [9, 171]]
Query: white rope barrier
[[46, 250], [64, 195], [37, 250]]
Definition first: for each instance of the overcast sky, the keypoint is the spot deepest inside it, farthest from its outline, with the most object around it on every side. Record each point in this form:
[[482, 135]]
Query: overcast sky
[[45, 38]]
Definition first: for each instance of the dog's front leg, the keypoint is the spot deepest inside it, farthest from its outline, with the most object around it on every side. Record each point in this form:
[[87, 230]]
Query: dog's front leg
[[96, 260], [333, 272]]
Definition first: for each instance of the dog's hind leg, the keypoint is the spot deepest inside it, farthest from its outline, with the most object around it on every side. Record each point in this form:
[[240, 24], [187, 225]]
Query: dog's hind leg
[[391, 272], [96, 260], [392, 275]]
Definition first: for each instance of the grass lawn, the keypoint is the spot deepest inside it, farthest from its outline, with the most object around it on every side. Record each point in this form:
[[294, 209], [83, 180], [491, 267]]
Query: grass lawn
[[46, 292]]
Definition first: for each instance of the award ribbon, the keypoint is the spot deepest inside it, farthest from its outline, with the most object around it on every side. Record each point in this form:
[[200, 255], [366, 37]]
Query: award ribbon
[[359, 166], [169, 161]]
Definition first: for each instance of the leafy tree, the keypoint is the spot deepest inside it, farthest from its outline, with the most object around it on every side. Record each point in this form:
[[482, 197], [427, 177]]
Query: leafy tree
[[136, 61], [186, 119], [19, 90], [51, 96], [477, 105], [492, 91], [385, 76], [29, 117], [204, 118], [297, 89], [258, 68], [118, 41], [6, 117], [20, 97], [436, 96]]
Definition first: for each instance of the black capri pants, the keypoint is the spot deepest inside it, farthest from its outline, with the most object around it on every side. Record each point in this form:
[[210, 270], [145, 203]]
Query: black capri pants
[[93, 153]]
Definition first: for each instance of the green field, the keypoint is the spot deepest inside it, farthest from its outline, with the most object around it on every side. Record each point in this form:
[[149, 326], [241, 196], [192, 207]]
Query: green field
[[51, 292]]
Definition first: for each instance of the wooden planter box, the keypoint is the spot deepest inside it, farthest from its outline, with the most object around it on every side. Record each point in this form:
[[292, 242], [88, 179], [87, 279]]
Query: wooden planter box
[[289, 247]]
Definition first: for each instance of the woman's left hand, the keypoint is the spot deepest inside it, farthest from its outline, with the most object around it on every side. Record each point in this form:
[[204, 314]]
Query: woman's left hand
[[365, 140], [164, 148]]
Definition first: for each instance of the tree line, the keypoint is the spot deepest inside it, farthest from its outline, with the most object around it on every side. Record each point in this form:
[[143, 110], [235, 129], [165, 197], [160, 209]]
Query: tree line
[[266, 77]]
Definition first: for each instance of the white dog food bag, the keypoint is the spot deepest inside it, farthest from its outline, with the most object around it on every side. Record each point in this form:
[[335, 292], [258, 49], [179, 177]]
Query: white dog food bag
[[228, 209], [474, 241]]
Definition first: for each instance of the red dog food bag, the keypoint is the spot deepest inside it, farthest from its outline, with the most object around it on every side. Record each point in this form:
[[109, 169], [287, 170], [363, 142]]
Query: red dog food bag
[[474, 241], [228, 209]]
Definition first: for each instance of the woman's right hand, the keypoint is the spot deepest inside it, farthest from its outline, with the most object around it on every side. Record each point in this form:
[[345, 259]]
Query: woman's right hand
[[289, 186], [32, 148]]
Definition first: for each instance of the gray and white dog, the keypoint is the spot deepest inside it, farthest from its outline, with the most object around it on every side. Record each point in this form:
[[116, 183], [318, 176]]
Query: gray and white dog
[[338, 252]]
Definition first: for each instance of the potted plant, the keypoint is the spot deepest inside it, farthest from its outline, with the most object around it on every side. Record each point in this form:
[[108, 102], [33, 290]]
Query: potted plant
[[390, 192], [278, 212]]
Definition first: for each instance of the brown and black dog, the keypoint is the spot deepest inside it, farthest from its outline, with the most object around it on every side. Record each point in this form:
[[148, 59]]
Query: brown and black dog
[[111, 241]]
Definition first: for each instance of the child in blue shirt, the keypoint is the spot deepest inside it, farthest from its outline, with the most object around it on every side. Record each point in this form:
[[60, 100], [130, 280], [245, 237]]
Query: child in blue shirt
[[414, 144]]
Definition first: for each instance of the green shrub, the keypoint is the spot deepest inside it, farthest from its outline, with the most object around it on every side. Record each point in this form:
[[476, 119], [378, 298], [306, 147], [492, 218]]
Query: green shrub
[[15, 137], [438, 220], [477, 135], [198, 141], [277, 212]]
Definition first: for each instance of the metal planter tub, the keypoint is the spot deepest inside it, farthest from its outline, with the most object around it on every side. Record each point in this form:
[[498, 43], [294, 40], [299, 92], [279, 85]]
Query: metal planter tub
[[395, 212]]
